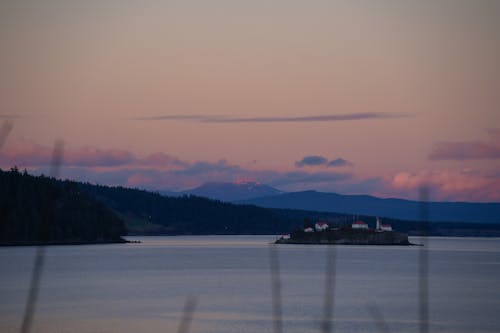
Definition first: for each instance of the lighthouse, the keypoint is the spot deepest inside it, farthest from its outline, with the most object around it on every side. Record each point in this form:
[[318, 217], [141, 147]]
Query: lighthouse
[[382, 227]]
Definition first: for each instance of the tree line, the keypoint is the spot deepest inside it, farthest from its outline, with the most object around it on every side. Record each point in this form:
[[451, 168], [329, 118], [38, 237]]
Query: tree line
[[38, 210]]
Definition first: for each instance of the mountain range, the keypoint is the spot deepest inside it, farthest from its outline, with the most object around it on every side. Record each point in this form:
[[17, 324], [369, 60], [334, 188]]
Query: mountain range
[[231, 192], [269, 197]]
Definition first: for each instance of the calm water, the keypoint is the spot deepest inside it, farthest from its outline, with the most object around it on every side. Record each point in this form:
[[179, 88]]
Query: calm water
[[143, 287]]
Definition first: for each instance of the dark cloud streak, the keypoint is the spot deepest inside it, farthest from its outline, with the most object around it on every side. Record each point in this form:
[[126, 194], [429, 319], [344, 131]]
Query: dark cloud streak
[[339, 162], [317, 160], [313, 160], [175, 117], [317, 118]]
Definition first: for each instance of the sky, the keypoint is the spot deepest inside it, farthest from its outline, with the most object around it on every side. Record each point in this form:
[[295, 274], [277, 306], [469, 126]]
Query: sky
[[359, 97]]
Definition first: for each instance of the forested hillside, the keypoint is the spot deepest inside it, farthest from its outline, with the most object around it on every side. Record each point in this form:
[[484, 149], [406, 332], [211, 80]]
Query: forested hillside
[[151, 213], [35, 210], [147, 213]]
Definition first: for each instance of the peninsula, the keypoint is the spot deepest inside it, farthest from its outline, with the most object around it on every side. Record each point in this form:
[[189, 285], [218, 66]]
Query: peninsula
[[358, 233]]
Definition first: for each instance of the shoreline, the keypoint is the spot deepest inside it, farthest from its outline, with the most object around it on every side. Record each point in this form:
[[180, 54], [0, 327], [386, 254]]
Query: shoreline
[[280, 242], [345, 236], [14, 244]]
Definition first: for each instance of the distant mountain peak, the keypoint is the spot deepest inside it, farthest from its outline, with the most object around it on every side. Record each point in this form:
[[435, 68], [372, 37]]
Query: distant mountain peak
[[246, 182], [239, 190]]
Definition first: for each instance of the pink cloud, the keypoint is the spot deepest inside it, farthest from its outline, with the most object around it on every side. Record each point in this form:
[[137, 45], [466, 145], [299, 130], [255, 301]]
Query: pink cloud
[[25, 154], [161, 160], [468, 150], [91, 156], [162, 171], [448, 185], [29, 154]]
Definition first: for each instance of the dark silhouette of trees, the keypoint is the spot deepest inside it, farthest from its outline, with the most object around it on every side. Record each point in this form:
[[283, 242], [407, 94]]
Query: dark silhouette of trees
[[151, 213], [37, 210]]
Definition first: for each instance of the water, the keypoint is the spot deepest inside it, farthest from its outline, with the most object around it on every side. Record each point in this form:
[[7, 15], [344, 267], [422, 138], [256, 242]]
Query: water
[[143, 287]]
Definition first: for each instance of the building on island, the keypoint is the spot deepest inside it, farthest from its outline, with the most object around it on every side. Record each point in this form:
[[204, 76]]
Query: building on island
[[383, 227], [360, 225], [386, 227], [309, 229], [320, 226]]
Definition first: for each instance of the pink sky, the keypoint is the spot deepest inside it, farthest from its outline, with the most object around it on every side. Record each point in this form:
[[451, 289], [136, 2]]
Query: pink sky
[[168, 95]]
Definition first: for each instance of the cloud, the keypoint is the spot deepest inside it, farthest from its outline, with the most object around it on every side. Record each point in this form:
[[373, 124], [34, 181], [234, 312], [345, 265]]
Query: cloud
[[298, 119], [312, 160], [339, 162], [294, 178], [161, 160], [465, 185], [28, 154], [204, 168], [119, 167], [198, 173], [150, 173], [25, 154], [176, 117], [91, 156], [161, 171], [468, 150], [317, 160]]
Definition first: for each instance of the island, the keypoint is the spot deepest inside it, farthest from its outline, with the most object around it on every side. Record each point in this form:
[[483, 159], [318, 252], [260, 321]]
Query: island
[[358, 233]]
